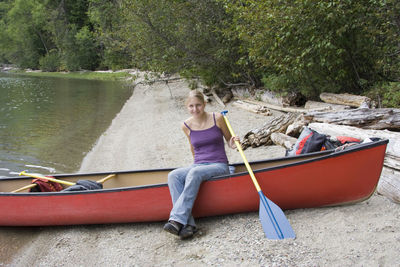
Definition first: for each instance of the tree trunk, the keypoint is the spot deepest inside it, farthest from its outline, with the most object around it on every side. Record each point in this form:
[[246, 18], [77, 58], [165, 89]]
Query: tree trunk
[[322, 106], [283, 140], [252, 107], [261, 136], [216, 97], [389, 184], [376, 119], [276, 107], [345, 99]]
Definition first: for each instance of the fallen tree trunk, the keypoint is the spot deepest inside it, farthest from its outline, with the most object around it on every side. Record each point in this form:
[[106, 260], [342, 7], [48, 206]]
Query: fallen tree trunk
[[261, 136], [390, 179], [283, 140], [296, 127], [276, 107], [216, 97], [227, 97], [252, 107], [389, 184], [322, 106], [345, 99], [376, 119]]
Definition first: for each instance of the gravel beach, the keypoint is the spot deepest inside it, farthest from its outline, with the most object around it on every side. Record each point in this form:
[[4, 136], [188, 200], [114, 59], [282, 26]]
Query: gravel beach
[[146, 134]]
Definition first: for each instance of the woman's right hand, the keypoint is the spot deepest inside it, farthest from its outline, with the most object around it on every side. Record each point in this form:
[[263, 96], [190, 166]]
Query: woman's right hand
[[232, 141]]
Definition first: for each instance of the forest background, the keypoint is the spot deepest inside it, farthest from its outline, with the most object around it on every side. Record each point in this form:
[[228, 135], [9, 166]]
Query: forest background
[[286, 46]]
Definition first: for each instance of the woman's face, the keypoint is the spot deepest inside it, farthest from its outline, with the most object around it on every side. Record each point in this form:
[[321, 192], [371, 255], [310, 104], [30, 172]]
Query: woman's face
[[195, 106]]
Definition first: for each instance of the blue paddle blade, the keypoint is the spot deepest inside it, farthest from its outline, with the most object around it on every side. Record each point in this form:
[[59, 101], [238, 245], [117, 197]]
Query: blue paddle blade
[[273, 220]]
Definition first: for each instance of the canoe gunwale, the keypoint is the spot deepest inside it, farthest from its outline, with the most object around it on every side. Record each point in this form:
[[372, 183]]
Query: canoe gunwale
[[324, 155]]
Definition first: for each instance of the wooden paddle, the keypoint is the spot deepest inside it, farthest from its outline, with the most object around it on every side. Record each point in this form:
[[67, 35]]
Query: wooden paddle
[[38, 176], [273, 220]]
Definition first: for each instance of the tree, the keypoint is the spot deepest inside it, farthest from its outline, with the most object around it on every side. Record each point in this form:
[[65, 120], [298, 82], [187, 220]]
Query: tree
[[108, 24], [43, 32], [71, 30], [180, 36], [315, 46], [24, 33]]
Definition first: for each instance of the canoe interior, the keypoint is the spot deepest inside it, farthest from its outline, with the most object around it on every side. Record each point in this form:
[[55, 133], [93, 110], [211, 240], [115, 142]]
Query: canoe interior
[[141, 178]]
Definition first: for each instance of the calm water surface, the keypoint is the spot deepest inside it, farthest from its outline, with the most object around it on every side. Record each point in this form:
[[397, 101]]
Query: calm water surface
[[47, 125]]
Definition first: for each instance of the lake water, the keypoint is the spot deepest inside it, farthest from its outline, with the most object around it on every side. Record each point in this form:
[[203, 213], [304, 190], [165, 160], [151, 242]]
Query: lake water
[[48, 125]]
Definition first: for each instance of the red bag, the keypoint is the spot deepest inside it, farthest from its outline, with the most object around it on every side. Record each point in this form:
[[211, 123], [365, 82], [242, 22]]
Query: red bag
[[43, 185]]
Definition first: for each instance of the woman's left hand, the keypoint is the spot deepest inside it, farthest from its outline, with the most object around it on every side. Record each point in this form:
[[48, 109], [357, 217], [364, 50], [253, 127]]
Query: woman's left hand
[[232, 142]]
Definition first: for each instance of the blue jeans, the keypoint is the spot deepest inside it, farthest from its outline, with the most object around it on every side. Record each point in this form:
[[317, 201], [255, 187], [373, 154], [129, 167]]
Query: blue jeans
[[184, 184]]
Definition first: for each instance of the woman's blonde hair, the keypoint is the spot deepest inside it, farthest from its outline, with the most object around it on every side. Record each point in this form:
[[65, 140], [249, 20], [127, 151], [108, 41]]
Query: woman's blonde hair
[[196, 93]]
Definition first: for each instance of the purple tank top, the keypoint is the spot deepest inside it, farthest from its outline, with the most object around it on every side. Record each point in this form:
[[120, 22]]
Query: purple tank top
[[208, 144]]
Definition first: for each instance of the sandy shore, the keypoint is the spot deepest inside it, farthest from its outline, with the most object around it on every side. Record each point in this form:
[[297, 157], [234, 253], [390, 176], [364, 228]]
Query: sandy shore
[[146, 134]]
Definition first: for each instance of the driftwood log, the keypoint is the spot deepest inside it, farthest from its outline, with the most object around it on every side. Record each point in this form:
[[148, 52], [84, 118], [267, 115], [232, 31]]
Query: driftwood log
[[295, 129], [322, 106], [276, 107], [389, 183], [262, 136], [227, 96], [376, 119], [345, 99], [283, 140], [368, 122], [216, 97], [252, 107]]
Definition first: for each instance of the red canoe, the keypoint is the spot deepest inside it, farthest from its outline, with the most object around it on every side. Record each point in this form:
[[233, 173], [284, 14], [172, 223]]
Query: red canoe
[[313, 180]]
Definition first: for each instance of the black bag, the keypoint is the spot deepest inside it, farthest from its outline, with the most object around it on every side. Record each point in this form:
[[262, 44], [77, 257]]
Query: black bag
[[82, 185], [308, 141]]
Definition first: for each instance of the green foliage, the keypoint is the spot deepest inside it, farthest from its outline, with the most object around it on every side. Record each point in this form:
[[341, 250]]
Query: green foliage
[[85, 49], [275, 82], [180, 36], [391, 97], [33, 28], [109, 32], [75, 40], [76, 12], [385, 94], [331, 46], [308, 46], [50, 62], [23, 41]]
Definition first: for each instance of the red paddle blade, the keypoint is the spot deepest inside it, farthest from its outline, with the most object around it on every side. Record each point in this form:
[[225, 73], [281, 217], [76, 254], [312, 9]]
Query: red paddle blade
[[273, 220]]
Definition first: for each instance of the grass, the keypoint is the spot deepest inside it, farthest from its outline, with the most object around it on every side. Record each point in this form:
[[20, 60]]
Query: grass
[[88, 75]]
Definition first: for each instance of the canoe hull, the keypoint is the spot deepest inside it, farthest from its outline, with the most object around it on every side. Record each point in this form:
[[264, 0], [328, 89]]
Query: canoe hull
[[331, 179]]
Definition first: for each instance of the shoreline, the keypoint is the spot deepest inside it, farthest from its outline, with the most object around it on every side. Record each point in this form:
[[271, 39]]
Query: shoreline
[[146, 134]]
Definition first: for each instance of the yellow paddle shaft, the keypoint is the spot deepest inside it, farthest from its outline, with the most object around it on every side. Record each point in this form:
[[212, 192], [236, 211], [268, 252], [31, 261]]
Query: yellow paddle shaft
[[47, 178], [106, 178], [53, 180], [29, 186], [239, 147]]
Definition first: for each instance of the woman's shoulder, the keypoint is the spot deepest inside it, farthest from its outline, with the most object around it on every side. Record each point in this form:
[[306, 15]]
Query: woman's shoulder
[[185, 126], [218, 118], [187, 122]]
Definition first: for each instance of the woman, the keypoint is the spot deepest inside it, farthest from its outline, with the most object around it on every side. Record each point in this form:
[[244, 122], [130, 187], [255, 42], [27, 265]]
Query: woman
[[205, 132]]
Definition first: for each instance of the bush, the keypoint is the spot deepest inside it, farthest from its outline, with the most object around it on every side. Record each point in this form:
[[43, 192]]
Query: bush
[[391, 96], [386, 95], [50, 62]]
